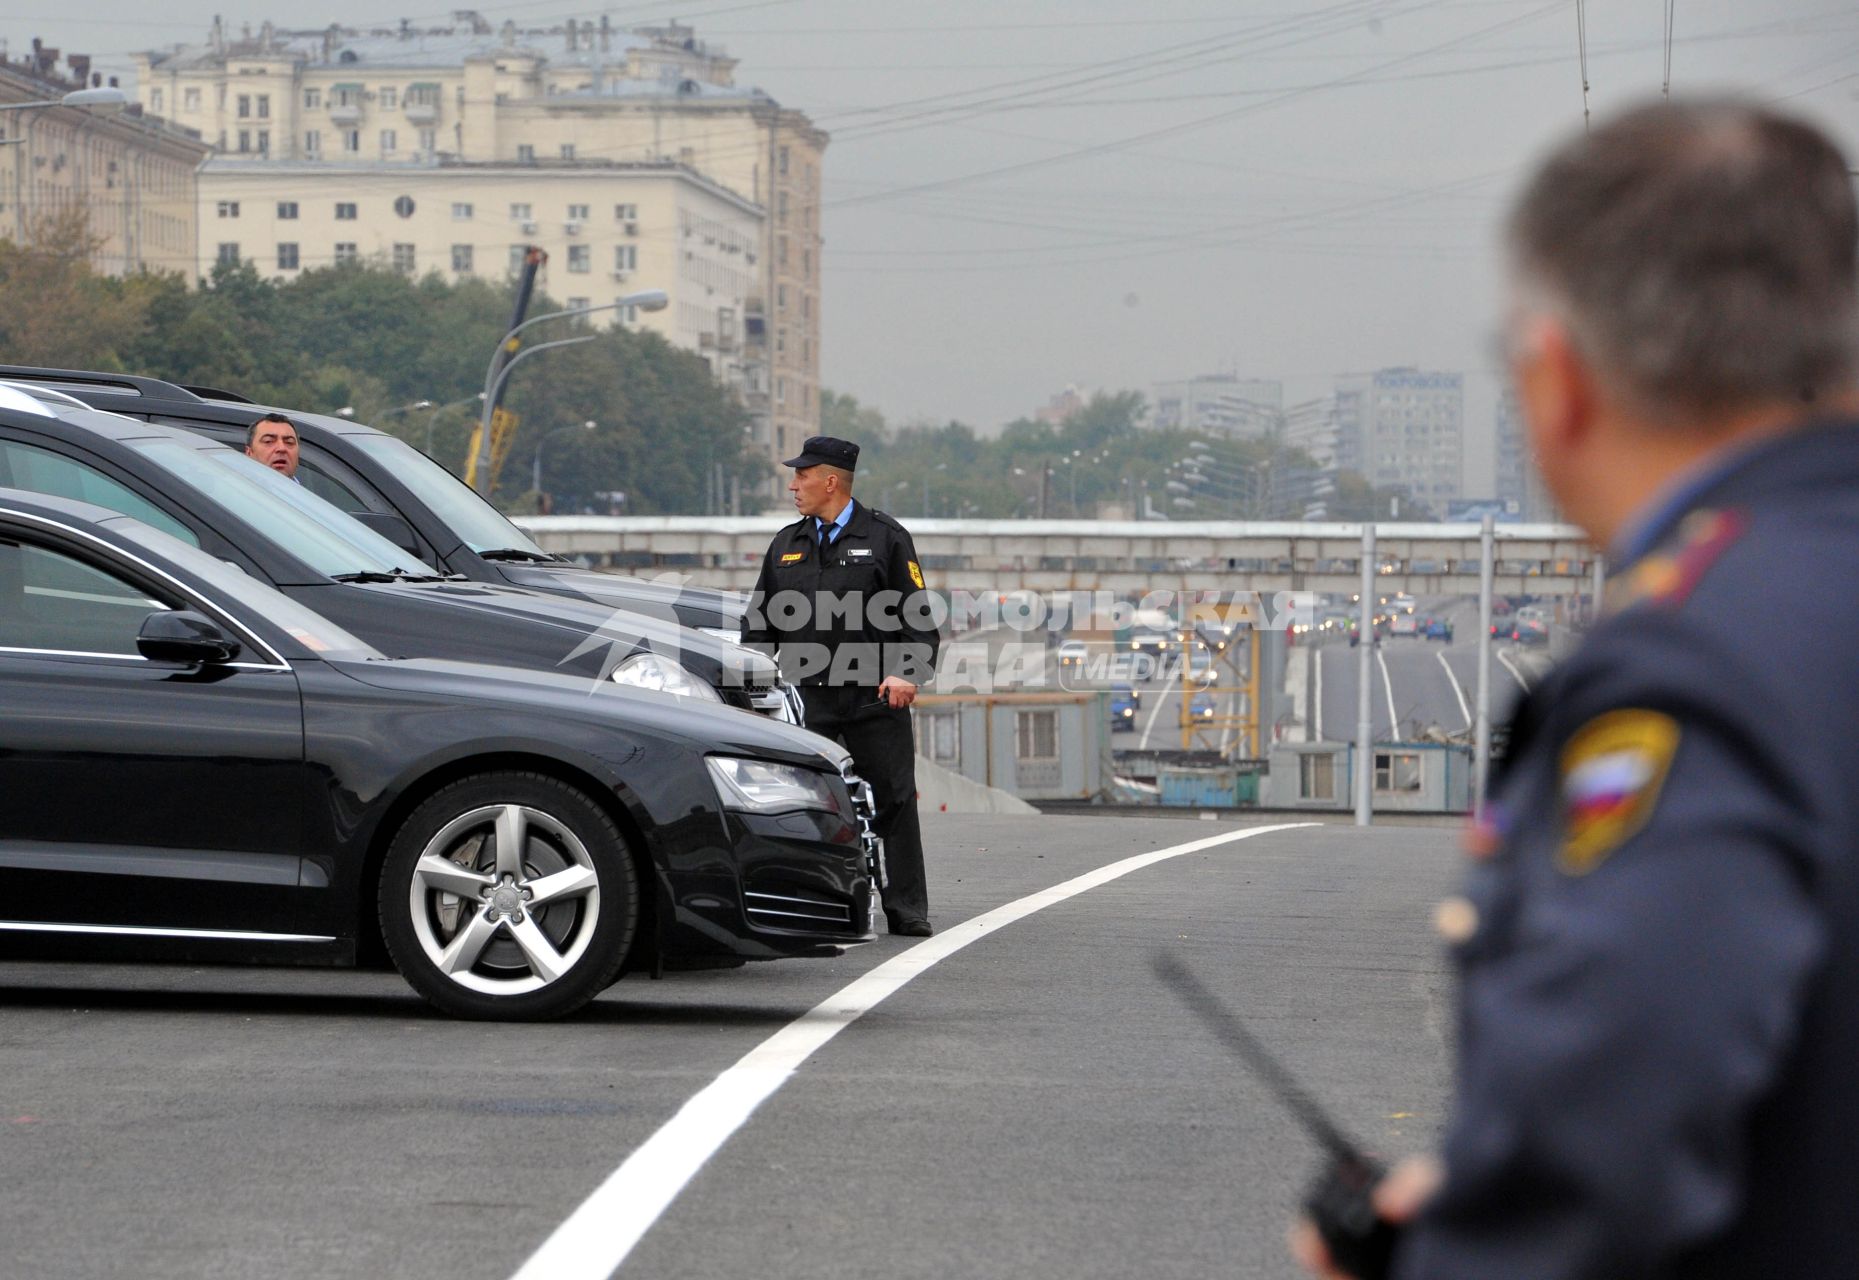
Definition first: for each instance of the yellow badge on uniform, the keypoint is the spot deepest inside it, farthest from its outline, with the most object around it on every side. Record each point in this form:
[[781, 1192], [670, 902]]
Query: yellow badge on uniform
[[792, 556], [916, 575], [1611, 771]]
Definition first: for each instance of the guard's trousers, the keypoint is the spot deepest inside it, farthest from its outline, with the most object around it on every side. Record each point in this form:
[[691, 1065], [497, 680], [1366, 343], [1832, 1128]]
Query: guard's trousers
[[884, 755]]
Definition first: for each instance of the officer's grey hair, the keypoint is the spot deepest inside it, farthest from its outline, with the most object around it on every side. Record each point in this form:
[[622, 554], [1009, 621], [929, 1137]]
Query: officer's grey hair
[[845, 477], [1702, 255]]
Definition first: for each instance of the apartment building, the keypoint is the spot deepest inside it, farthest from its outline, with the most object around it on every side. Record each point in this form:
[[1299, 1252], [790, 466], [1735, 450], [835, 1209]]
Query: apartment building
[[1218, 403], [607, 233], [132, 175], [1406, 427], [1517, 478], [577, 103]]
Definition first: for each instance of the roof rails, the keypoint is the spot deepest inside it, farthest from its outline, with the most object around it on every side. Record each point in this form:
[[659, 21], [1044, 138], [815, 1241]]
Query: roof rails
[[215, 393], [121, 383]]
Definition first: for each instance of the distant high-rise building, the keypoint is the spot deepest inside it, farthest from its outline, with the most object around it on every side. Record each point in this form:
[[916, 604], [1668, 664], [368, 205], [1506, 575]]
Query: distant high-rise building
[[1405, 427], [1062, 406], [1218, 403], [1518, 480]]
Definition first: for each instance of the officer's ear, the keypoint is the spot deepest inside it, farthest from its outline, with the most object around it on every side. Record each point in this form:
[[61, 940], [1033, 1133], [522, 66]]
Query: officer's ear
[[1557, 390]]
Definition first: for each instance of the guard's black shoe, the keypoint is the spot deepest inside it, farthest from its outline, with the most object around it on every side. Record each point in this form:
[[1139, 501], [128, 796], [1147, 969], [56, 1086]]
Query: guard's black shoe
[[910, 926]]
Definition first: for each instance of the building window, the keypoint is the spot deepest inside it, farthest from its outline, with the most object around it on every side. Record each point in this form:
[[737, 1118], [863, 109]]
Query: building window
[[780, 340], [312, 99], [625, 257], [190, 99], [389, 98], [245, 139], [287, 257], [264, 106], [461, 259], [627, 314], [577, 213], [403, 206], [287, 209], [345, 212], [525, 154], [520, 213], [580, 258], [245, 106], [228, 254], [780, 297], [939, 736], [229, 208], [781, 208], [423, 95], [312, 142], [780, 390], [264, 142], [580, 304], [517, 254], [388, 142], [404, 258], [781, 251], [567, 152], [429, 140], [154, 100], [346, 97], [626, 213], [345, 250], [1397, 771], [461, 212], [1036, 735], [781, 161], [351, 140], [1316, 776], [806, 263]]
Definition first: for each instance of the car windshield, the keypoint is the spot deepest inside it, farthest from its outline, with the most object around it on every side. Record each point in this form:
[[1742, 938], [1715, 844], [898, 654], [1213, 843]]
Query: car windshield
[[330, 541], [477, 523], [256, 599]]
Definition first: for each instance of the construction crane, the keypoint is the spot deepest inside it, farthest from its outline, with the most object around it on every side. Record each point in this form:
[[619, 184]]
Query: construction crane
[[503, 422]]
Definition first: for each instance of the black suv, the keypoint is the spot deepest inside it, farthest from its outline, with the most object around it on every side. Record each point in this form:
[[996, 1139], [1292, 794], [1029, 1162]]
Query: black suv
[[381, 477], [221, 501]]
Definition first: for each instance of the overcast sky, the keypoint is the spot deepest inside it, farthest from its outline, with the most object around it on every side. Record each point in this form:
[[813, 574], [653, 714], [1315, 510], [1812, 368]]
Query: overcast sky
[[1027, 194]]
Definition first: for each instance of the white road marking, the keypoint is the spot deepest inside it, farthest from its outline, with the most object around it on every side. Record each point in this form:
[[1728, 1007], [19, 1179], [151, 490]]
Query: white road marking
[[1512, 668], [1161, 698], [597, 1237], [1387, 687], [1464, 709]]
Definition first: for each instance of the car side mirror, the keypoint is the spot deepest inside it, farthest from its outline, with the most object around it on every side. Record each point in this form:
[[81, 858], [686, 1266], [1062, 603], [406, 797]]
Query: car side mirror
[[392, 527], [181, 635]]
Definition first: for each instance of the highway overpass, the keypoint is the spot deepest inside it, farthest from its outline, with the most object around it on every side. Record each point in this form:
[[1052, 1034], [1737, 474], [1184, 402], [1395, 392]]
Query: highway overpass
[[1117, 556]]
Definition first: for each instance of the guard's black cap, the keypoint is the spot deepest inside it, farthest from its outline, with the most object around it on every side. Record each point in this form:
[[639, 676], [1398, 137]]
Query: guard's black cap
[[828, 450]]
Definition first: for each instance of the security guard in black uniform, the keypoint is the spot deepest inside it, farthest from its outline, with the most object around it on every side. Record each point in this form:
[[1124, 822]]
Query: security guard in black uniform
[[1659, 943], [841, 600]]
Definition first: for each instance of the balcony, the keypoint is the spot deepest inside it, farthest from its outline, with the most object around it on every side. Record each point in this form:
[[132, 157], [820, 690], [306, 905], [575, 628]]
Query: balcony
[[422, 112], [345, 112]]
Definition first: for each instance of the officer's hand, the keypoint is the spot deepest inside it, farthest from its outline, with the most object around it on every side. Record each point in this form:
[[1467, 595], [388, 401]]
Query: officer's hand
[[1398, 1197], [897, 691]]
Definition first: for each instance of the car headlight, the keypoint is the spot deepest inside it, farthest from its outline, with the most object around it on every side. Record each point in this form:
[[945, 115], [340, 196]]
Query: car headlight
[[762, 786], [662, 675]]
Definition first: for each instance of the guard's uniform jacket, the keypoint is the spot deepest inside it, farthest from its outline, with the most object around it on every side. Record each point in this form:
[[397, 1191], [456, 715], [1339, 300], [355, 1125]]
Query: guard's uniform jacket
[[840, 617], [853, 588], [1659, 944]]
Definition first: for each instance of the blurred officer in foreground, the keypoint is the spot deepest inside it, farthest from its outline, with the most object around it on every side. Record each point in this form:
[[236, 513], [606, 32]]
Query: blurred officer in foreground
[[1659, 944], [841, 598]]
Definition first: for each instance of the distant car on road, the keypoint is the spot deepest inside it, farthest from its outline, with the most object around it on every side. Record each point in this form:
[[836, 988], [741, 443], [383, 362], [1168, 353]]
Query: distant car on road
[[1202, 707], [1124, 703], [1403, 624], [1438, 629], [1073, 654]]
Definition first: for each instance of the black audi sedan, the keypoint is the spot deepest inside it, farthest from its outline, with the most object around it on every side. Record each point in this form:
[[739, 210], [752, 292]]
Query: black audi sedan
[[193, 766], [216, 498], [401, 491]]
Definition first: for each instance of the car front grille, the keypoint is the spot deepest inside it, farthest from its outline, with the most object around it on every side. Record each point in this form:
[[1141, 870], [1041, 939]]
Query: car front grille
[[788, 907], [865, 808]]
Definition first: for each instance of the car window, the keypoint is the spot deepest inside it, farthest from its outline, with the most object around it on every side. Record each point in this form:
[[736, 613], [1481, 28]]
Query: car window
[[327, 487], [25, 466], [330, 541], [50, 600], [477, 523]]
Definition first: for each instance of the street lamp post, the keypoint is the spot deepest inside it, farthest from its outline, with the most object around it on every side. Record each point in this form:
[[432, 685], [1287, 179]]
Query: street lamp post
[[535, 473], [644, 300]]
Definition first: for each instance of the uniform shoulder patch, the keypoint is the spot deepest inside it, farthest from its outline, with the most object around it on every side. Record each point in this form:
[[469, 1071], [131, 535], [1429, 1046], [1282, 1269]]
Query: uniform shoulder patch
[[1610, 773], [884, 517], [916, 575], [1669, 575]]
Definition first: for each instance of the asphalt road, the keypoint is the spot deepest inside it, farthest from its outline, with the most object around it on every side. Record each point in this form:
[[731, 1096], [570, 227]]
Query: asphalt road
[[1034, 1105]]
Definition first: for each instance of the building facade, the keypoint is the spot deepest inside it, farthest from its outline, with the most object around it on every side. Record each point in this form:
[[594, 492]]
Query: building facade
[[607, 234], [1517, 478], [1404, 427], [1219, 404], [130, 174], [579, 103]]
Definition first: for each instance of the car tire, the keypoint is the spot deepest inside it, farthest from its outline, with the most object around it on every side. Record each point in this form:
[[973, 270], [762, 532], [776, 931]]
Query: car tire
[[485, 933]]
